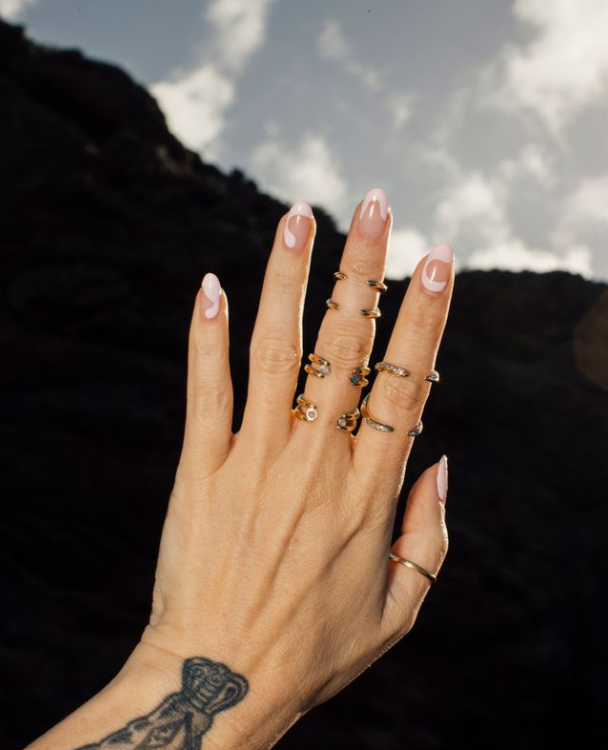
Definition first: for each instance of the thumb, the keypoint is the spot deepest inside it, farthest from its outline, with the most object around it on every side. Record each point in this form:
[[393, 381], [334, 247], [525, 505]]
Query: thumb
[[424, 541]]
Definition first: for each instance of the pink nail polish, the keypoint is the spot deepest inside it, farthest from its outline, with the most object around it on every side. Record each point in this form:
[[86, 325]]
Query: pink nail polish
[[373, 214], [210, 298], [442, 478], [438, 267], [297, 226]]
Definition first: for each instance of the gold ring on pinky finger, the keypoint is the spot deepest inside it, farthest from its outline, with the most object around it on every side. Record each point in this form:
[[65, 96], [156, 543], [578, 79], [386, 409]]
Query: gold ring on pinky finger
[[409, 564], [305, 410], [379, 286], [348, 421], [322, 370]]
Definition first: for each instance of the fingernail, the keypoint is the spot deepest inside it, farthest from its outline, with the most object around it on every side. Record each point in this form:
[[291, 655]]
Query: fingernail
[[373, 214], [438, 267], [297, 226], [210, 298], [442, 478]]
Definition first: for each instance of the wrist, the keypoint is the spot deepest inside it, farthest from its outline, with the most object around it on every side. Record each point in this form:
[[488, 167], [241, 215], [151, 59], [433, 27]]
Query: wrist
[[235, 701]]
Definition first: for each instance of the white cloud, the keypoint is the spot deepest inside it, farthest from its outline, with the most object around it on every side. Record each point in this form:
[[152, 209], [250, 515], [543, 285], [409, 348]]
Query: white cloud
[[474, 214], [406, 247], [306, 171], [561, 71], [196, 102], [331, 42], [195, 105], [11, 10], [532, 161], [333, 45], [513, 255], [239, 29], [473, 208], [400, 107], [584, 216]]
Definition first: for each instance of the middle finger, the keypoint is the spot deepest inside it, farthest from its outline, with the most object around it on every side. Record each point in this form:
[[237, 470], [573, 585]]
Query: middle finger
[[346, 335]]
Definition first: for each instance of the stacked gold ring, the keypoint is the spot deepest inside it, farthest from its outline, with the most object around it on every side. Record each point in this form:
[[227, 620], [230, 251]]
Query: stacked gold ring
[[305, 410], [379, 286], [322, 370]]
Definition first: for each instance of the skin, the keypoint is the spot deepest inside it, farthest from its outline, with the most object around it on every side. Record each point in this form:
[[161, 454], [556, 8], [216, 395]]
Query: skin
[[274, 553]]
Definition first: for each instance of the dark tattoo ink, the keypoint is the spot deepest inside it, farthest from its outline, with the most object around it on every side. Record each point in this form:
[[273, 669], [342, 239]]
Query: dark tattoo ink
[[181, 719]]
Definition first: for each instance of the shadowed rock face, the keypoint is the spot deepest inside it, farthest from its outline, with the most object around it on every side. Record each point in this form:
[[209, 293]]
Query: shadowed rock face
[[107, 225]]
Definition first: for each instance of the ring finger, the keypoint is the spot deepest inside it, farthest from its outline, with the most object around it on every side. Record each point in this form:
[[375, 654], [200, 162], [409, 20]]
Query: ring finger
[[397, 399]]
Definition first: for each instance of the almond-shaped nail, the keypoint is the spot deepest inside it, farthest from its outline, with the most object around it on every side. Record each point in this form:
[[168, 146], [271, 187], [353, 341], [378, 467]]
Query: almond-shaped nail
[[373, 214], [438, 267], [442, 478], [297, 226], [210, 297]]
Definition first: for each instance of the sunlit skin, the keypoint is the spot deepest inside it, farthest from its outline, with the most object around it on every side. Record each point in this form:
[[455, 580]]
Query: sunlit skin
[[274, 553]]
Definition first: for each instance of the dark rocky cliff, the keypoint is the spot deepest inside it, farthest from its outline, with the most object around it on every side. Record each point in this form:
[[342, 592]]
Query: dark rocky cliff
[[107, 225]]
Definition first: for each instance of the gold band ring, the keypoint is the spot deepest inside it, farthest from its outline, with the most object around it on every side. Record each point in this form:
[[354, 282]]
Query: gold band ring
[[367, 417], [379, 286], [322, 370], [305, 410], [377, 425], [375, 313], [401, 372], [409, 564]]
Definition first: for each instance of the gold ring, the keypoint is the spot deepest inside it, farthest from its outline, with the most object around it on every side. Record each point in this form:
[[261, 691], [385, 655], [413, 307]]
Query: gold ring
[[401, 372], [379, 286], [323, 369], [367, 417], [409, 564], [332, 305], [358, 378], [348, 421], [375, 313], [310, 413]]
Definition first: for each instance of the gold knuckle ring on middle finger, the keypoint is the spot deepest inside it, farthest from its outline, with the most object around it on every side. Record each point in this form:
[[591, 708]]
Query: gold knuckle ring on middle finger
[[375, 313]]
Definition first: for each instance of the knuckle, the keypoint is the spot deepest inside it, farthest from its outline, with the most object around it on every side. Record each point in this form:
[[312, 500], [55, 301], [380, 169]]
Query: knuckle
[[274, 354], [345, 346], [208, 403], [404, 394], [206, 347], [422, 319]]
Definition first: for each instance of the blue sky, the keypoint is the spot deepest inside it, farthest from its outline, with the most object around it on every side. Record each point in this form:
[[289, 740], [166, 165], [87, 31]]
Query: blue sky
[[485, 120]]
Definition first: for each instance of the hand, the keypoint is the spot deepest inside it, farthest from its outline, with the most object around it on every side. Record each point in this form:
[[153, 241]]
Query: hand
[[274, 554]]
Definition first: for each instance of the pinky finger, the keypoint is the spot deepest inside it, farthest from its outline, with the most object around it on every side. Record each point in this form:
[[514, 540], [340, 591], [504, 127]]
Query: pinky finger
[[208, 430], [424, 541]]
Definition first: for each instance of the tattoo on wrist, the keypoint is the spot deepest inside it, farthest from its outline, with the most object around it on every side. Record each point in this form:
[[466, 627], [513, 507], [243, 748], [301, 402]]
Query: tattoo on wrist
[[181, 719]]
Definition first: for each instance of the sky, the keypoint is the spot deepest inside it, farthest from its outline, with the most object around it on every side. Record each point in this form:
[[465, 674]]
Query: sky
[[484, 120]]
